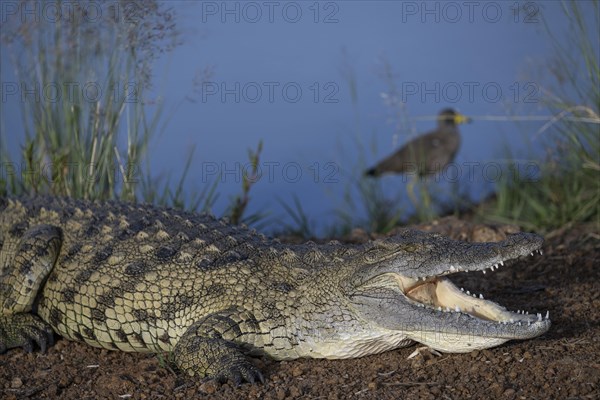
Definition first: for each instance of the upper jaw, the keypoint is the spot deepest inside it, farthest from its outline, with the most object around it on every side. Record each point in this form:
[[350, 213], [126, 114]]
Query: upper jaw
[[448, 256], [483, 267], [417, 255]]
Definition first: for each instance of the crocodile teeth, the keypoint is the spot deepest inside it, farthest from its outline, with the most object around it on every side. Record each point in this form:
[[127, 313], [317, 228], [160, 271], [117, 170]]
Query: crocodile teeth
[[481, 296], [462, 290], [541, 252], [452, 269], [474, 295], [469, 293], [483, 271], [439, 308], [531, 253], [457, 308], [547, 314], [502, 263], [539, 316]]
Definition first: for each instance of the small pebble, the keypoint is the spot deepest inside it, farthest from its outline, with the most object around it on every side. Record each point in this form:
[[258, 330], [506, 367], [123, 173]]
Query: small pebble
[[295, 392], [280, 394], [16, 383], [209, 387]]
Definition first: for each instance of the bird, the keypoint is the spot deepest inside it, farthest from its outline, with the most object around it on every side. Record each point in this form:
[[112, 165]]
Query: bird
[[428, 153]]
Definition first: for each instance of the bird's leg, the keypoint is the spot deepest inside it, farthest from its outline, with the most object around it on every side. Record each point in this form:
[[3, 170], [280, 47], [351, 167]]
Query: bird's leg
[[426, 201], [410, 190]]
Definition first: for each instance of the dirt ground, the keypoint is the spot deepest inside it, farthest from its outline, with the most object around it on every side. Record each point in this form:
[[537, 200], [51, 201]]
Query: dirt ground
[[563, 364]]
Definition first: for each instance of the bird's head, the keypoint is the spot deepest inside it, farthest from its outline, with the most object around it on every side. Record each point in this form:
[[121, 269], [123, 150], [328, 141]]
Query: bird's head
[[451, 117]]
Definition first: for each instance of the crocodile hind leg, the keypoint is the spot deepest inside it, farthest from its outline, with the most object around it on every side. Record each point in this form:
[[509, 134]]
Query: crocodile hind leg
[[24, 271], [208, 347]]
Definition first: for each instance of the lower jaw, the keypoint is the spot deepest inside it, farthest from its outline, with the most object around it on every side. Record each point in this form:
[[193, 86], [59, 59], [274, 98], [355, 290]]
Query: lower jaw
[[455, 342]]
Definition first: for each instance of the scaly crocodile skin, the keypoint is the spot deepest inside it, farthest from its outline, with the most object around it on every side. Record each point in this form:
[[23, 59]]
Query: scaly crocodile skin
[[146, 279]]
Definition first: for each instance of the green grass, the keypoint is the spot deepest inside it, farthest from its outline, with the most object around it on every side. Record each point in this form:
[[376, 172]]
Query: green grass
[[301, 225], [94, 144], [167, 361], [567, 192], [89, 137], [239, 203]]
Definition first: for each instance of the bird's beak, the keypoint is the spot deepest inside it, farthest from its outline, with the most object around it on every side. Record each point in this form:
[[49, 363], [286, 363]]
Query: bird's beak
[[461, 119]]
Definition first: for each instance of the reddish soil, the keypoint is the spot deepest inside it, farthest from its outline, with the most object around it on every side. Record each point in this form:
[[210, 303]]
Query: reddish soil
[[562, 364]]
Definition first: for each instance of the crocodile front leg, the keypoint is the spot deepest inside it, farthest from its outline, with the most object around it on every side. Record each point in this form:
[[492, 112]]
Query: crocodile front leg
[[209, 348], [24, 271]]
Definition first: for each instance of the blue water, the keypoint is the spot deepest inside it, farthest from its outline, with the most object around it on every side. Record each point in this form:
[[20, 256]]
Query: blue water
[[282, 73]]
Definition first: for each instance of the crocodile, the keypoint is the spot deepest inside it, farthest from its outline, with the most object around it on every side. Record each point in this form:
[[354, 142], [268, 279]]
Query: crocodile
[[141, 278]]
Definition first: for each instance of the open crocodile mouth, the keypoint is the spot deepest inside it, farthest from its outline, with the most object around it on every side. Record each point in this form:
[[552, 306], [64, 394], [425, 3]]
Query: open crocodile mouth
[[441, 294]]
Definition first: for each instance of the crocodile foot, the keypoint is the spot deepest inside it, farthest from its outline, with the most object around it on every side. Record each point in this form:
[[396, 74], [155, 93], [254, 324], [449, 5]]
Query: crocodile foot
[[24, 330], [237, 371], [217, 359], [203, 350]]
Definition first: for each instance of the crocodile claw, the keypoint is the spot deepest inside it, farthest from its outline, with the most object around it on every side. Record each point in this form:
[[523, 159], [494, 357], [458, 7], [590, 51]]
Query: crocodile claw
[[239, 373], [26, 331]]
